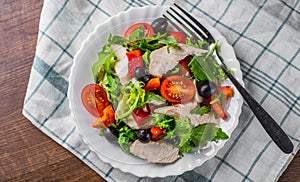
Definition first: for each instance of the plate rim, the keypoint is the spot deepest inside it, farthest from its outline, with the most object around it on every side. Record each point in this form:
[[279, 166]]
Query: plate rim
[[124, 167]]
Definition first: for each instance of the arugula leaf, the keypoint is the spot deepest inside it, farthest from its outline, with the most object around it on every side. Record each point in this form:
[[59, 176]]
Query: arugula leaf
[[137, 34], [200, 68], [182, 131], [170, 41], [197, 43], [115, 39], [220, 135], [207, 132], [146, 58], [152, 43], [205, 67], [201, 110], [163, 121]]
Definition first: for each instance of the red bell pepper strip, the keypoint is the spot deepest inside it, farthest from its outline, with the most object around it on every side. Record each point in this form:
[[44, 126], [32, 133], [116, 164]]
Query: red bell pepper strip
[[225, 90], [107, 119], [134, 60]]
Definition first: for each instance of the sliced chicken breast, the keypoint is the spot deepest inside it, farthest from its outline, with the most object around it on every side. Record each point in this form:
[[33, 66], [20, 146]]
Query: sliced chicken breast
[[155, 152], [130, 121], [165, 59], [181, 111], [122, 65]]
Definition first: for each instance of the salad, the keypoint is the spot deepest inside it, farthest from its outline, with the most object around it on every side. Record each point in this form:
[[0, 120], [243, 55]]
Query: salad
[[157, 93]]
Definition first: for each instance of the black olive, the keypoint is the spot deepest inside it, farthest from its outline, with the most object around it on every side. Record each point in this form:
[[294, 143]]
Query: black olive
[[144, 135], [142, 74], [114, 131], [111, 134], [206, 88], [160, 25]]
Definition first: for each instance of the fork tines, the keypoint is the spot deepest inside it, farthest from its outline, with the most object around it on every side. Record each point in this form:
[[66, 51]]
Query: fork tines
[[188, 24]]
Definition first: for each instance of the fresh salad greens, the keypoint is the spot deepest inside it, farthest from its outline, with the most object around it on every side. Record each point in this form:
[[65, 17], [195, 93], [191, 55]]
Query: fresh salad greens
[[137, 99]]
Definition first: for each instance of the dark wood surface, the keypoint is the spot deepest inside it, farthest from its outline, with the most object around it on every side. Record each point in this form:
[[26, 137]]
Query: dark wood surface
[[26, 154]]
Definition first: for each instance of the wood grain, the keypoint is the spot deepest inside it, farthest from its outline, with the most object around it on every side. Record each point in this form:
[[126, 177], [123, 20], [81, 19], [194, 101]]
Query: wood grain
[[26, 154]]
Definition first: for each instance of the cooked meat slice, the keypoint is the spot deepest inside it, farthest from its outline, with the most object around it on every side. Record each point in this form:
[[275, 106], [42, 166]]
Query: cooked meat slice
[[164, 59], [155, 152], [181, 111], [130, 121], [122, 65], [197, 119], [197, 97]]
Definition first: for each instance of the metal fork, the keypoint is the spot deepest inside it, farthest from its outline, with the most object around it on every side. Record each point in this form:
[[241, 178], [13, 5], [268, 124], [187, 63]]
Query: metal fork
[[183, 18]]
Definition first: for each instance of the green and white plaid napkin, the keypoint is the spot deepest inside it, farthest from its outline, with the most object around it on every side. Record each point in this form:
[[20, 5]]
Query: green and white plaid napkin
[[266, 38]]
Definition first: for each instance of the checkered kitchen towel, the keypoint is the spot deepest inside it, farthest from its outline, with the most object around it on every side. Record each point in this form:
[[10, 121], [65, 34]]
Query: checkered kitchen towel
[[266, 38]]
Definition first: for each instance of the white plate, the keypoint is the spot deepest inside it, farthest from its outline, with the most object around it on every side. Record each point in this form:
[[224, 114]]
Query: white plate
[[81, 75]]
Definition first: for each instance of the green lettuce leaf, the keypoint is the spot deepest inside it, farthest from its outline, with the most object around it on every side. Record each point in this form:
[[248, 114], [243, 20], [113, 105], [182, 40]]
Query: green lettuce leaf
[[205, 133]]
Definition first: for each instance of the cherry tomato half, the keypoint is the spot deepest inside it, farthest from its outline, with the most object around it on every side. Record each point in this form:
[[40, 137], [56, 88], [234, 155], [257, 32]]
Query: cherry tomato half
[[157, 132], [177, 89], [179, 36], [147, 29], [153, 84], [94, 99]]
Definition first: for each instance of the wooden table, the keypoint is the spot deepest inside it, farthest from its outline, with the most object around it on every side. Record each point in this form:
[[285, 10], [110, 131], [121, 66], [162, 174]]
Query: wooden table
[[26, 154]]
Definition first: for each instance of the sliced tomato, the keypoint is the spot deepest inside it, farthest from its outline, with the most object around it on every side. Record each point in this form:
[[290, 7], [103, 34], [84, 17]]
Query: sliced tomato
[[147, 29], [225, 90], [141, 114], [134, 60], [94, 99], [107, 119], [153, 84], [177, 89], [184, 68], [157, 132], [179, 36]]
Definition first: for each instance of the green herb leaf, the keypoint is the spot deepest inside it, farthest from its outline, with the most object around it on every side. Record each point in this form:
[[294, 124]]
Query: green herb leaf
[[182, 131], [115, 39], [199, 68], [137, 34], [106, 58], [126, 136], [163, 121], [146, 58], [201, 110], [207, 132]]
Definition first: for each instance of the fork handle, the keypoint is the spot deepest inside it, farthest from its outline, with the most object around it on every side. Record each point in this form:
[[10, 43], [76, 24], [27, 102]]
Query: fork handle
[[268, 123]]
